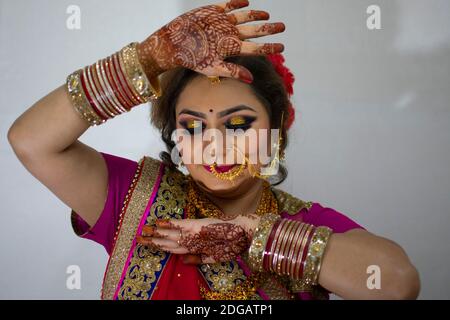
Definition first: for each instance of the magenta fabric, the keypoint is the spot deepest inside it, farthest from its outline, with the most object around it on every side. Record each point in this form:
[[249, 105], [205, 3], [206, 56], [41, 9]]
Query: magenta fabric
[[120, 175], [318, 215]]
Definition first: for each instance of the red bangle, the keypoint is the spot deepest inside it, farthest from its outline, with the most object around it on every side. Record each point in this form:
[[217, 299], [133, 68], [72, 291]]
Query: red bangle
[[304, 253], [107, 65], [123, 83], [84, 84], [92, 73], [269, 245]]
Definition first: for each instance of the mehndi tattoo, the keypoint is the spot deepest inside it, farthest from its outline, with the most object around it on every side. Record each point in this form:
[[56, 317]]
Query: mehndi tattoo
[[221, 241], [199, 40]]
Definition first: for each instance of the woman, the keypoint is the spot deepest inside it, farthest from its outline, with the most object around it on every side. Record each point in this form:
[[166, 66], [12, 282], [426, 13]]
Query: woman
[[222, 231]]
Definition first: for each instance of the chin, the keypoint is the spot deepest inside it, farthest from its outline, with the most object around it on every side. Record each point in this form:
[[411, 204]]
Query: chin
[[209, 181]]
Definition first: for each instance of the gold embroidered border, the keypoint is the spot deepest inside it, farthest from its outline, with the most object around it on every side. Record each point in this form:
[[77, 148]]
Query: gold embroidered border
[[290, 204], [141, 274], [223, 276], [131, 219]]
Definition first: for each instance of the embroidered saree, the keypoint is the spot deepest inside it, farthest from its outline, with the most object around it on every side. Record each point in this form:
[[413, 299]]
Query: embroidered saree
[[141, 192]]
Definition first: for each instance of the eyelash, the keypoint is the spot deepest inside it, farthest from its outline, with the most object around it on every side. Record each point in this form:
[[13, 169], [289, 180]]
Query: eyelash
[[245, 126]]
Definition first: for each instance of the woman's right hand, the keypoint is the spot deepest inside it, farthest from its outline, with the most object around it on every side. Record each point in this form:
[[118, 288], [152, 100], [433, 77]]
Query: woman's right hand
[[202, 38]]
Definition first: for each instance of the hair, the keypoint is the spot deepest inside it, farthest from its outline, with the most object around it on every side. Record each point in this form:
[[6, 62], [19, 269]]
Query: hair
[[267, 86]]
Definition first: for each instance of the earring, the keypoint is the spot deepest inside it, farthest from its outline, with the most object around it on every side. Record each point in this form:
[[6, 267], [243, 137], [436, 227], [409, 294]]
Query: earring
[[279, 157]]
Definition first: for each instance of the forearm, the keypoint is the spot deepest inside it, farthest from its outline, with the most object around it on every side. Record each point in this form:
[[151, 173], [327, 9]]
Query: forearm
[[338, 262], [48, 126], [346, 261]]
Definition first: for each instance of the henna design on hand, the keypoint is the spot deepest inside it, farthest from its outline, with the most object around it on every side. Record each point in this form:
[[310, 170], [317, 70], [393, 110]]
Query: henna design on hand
[[221, 241], [200, 39]]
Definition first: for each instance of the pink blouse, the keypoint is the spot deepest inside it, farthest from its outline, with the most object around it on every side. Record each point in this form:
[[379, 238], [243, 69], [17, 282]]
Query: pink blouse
[[120, 175]]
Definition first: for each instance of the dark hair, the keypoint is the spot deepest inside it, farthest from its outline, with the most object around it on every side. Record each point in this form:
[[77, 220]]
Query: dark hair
[[267, 86]]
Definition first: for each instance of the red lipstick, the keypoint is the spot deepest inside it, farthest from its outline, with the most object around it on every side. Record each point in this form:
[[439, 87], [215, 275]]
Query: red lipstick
[[220, 169]]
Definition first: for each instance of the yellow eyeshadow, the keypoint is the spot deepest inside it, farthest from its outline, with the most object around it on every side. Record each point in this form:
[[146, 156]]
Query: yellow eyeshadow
[[193, 124], [236, 121]]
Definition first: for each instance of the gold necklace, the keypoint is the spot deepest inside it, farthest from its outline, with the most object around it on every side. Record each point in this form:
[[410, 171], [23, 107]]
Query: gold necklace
[[198, 202]]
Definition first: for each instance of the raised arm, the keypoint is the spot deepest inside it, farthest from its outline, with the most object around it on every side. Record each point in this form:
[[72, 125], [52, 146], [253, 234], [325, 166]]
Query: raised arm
[[45, 137]]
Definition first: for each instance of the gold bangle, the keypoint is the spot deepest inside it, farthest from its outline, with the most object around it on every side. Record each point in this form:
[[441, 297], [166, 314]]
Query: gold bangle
[[316, 250], [79, 100], [136, 75], [259, 241]]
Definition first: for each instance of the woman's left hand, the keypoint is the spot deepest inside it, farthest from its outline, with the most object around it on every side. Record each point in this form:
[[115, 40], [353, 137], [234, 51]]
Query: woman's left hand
[[207, 240]]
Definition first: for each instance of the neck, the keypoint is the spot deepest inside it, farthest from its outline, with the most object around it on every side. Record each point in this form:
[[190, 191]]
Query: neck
[[245, 201]]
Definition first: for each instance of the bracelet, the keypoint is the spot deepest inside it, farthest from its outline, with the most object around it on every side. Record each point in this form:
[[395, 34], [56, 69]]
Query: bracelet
[[316, 250], [303, 250], [259, 241], [111, 86], [291, 248]]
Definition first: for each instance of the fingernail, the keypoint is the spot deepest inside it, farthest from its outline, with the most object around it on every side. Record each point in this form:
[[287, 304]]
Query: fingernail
[[148, 231], [279, 27], [162, 223], [278, 47]]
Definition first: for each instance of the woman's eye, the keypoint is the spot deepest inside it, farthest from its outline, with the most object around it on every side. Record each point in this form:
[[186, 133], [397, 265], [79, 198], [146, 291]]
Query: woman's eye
[[240, 122], [193, 126]]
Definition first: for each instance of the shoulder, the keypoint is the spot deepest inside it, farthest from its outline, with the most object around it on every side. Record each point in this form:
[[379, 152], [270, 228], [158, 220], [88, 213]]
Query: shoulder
[[290, 204], [313, 212]]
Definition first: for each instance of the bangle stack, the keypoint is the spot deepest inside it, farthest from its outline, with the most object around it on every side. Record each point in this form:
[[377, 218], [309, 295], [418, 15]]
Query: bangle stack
[[288, 247], [111, 86]]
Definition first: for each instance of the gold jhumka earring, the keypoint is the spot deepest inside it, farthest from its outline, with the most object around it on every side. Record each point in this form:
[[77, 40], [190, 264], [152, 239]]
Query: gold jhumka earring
[[274, 163]]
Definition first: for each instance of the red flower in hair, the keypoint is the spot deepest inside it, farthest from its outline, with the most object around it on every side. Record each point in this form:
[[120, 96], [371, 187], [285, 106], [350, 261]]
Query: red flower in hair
[[278, 60]]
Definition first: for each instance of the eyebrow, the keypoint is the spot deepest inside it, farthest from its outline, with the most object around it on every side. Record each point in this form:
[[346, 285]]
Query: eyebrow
[[234, 109], [220, 114]]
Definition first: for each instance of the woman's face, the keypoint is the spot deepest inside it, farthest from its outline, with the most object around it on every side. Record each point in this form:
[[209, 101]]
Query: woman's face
[[231, 105]]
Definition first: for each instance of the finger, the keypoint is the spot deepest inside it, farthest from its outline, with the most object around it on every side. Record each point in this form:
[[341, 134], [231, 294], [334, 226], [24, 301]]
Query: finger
[[173, 224], [231, 70], [147, 242], [232, 5], [164, 233], [256, 31], [247, 16], [157, 242], [252, 48]]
